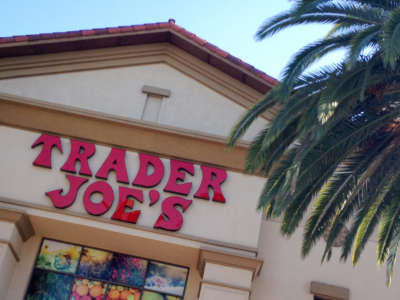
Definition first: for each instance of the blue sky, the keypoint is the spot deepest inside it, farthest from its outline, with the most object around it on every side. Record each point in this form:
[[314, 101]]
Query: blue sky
[[229, 24]]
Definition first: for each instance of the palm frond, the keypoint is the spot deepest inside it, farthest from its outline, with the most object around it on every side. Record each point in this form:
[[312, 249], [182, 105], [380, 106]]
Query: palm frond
[[248, 118], [391, 259], [390, 223], [334, 141], [391, 38]]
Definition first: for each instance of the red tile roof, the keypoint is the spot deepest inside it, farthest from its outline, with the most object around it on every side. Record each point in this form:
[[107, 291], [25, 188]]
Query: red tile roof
[[149, 33]]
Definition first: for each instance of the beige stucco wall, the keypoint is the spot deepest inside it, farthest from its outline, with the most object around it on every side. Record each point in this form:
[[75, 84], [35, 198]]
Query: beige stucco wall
[[7, 262], [286, 276], [22, 271], [117, 91], [223, 223]]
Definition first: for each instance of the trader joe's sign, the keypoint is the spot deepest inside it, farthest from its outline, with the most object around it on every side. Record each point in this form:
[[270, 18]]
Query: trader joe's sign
[[148, 177]]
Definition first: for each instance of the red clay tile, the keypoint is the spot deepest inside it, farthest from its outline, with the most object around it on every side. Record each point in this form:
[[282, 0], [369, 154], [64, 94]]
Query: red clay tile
[[7, 40], [247, 66], [164, 25], [210, 46], [20, 38], [99, 31], [199, 40], [33, 37], [143, 27], [58, 35], [88, 32], [139, 27], [151, 26], [70, 34], [125, 28], [270, 79], [233, 59], [220, 52], [186, 33], [176, 27], [46, 36], [113, 30]]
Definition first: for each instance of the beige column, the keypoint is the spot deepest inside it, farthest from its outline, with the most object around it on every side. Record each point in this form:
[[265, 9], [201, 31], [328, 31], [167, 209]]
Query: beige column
[[15, 228], [226, 276]]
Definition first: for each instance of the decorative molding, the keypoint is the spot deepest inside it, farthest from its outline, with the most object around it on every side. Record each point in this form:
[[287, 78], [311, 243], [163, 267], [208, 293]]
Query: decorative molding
[[184, 62], [11, 247], [20, 220], [328, 291], [152, 90], [230, 260], [205, 241], [112, 130]]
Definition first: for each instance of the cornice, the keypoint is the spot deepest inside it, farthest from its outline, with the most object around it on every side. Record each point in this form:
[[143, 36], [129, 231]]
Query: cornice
[[76, 61], [107, 129]]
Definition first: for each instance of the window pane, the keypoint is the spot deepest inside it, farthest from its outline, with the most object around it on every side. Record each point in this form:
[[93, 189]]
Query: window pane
[[86, 289], [128, 270], [157, 296], [95, 264], [117, 292], [166, 278], [46, 285], [58, 256]]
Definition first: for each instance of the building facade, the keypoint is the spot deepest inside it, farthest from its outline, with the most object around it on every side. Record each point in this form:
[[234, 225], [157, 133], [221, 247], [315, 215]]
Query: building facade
[[116, 182]]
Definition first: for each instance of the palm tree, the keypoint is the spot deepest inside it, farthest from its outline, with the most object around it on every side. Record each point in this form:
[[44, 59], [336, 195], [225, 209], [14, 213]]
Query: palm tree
[[334, 145]]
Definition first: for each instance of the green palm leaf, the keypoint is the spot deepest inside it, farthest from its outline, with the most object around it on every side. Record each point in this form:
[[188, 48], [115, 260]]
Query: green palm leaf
[[333, 143]]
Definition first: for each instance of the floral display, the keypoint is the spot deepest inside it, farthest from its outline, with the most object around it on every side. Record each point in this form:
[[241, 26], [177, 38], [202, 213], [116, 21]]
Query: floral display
[[95, 264], [85, 289], [71, 272], [49, 285], [166, 278], [58, 256], [117, 292], [128, 270]]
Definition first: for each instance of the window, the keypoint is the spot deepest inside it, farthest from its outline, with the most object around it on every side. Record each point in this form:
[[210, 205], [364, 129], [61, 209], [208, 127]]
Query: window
[[73, 272]]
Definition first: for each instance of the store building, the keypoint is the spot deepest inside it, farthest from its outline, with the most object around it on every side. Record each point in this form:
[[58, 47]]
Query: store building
[[116, 182]]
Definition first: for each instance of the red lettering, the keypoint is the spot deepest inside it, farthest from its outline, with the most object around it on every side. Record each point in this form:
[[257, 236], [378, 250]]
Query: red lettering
[[171, 219], [48, 142], [124, 194], [114, 162], [212, 177], [176, 175], [154, 197], [149, 180], [102, 207], [67, 200], [80, 151]]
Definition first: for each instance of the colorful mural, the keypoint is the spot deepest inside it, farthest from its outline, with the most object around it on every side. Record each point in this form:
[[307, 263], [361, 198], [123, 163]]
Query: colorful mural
[[85, 289], [166, 278], [128, 270], [46, 285], [71, 272], [117, 292], [58, 256], [95, 264]]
